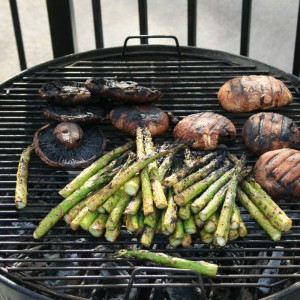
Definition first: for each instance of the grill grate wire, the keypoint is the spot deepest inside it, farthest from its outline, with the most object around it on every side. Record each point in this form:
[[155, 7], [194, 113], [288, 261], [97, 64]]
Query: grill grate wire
[[70, 265]]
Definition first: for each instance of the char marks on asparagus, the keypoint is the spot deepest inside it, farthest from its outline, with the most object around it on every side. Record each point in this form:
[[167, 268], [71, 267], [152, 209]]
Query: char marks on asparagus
[[248, 93], [204, 129], [268, 131]]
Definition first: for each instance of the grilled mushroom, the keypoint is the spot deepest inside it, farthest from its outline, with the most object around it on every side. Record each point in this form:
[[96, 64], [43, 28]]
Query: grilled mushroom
[[267, 131], [127, 91], [69, 145], [248, 93], [66, 93], [278, 172], [203, 130], [78, 113], [128, 117]]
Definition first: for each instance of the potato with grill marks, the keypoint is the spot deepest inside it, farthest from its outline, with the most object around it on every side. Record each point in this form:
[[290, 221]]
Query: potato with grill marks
[[268, 131], [203, 130], [248, 93], [278, 172]]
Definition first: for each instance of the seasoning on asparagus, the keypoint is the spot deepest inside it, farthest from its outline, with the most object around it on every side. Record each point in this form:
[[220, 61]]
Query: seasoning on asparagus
[[206, 237], [63, 207], [151, 219], [165, 165], [235, 218], [263, 201], [214, 204], [147, 236], [112, 201], [211, 223], [189, 225], [204, 199], [97, 228], [132, 222], [199, 223], [117, 212], [186, 170], [21, 192], [76, 221], [134, 205], [191, 192], [201, 173], [184, 212], [202, 267], [99, 164], [221, 233], [258, 216], [159, 197], [101, 196], [147, 197], [73, 212], [170, 215], [186, 240], [132, 186], [111, 235], [88, 219]]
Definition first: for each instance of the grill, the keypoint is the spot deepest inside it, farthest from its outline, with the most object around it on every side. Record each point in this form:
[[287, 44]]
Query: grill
[[75, 265]]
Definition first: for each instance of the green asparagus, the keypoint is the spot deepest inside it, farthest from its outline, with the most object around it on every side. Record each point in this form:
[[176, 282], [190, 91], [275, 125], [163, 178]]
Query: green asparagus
[[21, 192], [99, 164], [161, 258], [258, 216]]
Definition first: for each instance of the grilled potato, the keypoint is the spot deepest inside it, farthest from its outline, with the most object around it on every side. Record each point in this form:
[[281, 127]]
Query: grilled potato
[[278, 172], [248, 93], [268, 131], [204, 129]]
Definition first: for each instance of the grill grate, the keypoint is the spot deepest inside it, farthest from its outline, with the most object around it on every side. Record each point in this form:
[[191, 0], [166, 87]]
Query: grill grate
[[74, 265]]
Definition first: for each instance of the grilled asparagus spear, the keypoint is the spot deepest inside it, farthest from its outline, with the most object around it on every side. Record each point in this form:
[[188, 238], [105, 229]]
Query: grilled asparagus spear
[[191, 192], [161, 258], [158, 194], [98, 198], [221, 233], [258, 216], [21, 191], [99, 164], [263, 201]]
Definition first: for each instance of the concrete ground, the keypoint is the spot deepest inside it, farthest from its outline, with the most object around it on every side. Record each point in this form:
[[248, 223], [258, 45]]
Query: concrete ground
[[272, 41]]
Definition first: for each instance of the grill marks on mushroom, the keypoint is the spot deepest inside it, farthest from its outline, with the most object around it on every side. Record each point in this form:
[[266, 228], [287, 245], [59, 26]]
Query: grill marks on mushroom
[[126, 91], [267, 131], [278, 172], [128, 117], [248, 93], [204, 130]]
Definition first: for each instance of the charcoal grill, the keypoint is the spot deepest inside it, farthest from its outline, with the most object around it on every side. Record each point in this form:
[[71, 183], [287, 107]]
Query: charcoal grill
[[74, 265]]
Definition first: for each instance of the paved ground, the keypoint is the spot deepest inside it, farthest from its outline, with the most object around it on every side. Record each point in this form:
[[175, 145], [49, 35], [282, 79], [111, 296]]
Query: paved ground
[[272, 31]]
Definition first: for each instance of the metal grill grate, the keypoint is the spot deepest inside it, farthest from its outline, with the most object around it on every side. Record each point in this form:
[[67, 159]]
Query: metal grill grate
[[75, 265]]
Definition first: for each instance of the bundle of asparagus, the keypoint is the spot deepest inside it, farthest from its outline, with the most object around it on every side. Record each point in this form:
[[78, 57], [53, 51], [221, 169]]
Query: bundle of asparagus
[[149, 196]]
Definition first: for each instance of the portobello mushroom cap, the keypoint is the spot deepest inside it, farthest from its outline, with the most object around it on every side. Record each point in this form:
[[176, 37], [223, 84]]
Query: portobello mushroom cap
[[266, 131], [128, 117], [278, 172], [66, 93], [78, 113], [203, 130], [127, 91], [69, 145]]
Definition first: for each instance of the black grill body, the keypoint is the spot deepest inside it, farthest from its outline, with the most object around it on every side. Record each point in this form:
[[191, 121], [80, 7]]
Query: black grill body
[[75, 265]]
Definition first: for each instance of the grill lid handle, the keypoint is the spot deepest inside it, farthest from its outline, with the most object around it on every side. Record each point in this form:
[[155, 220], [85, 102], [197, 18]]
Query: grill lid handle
[[152, 36]]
